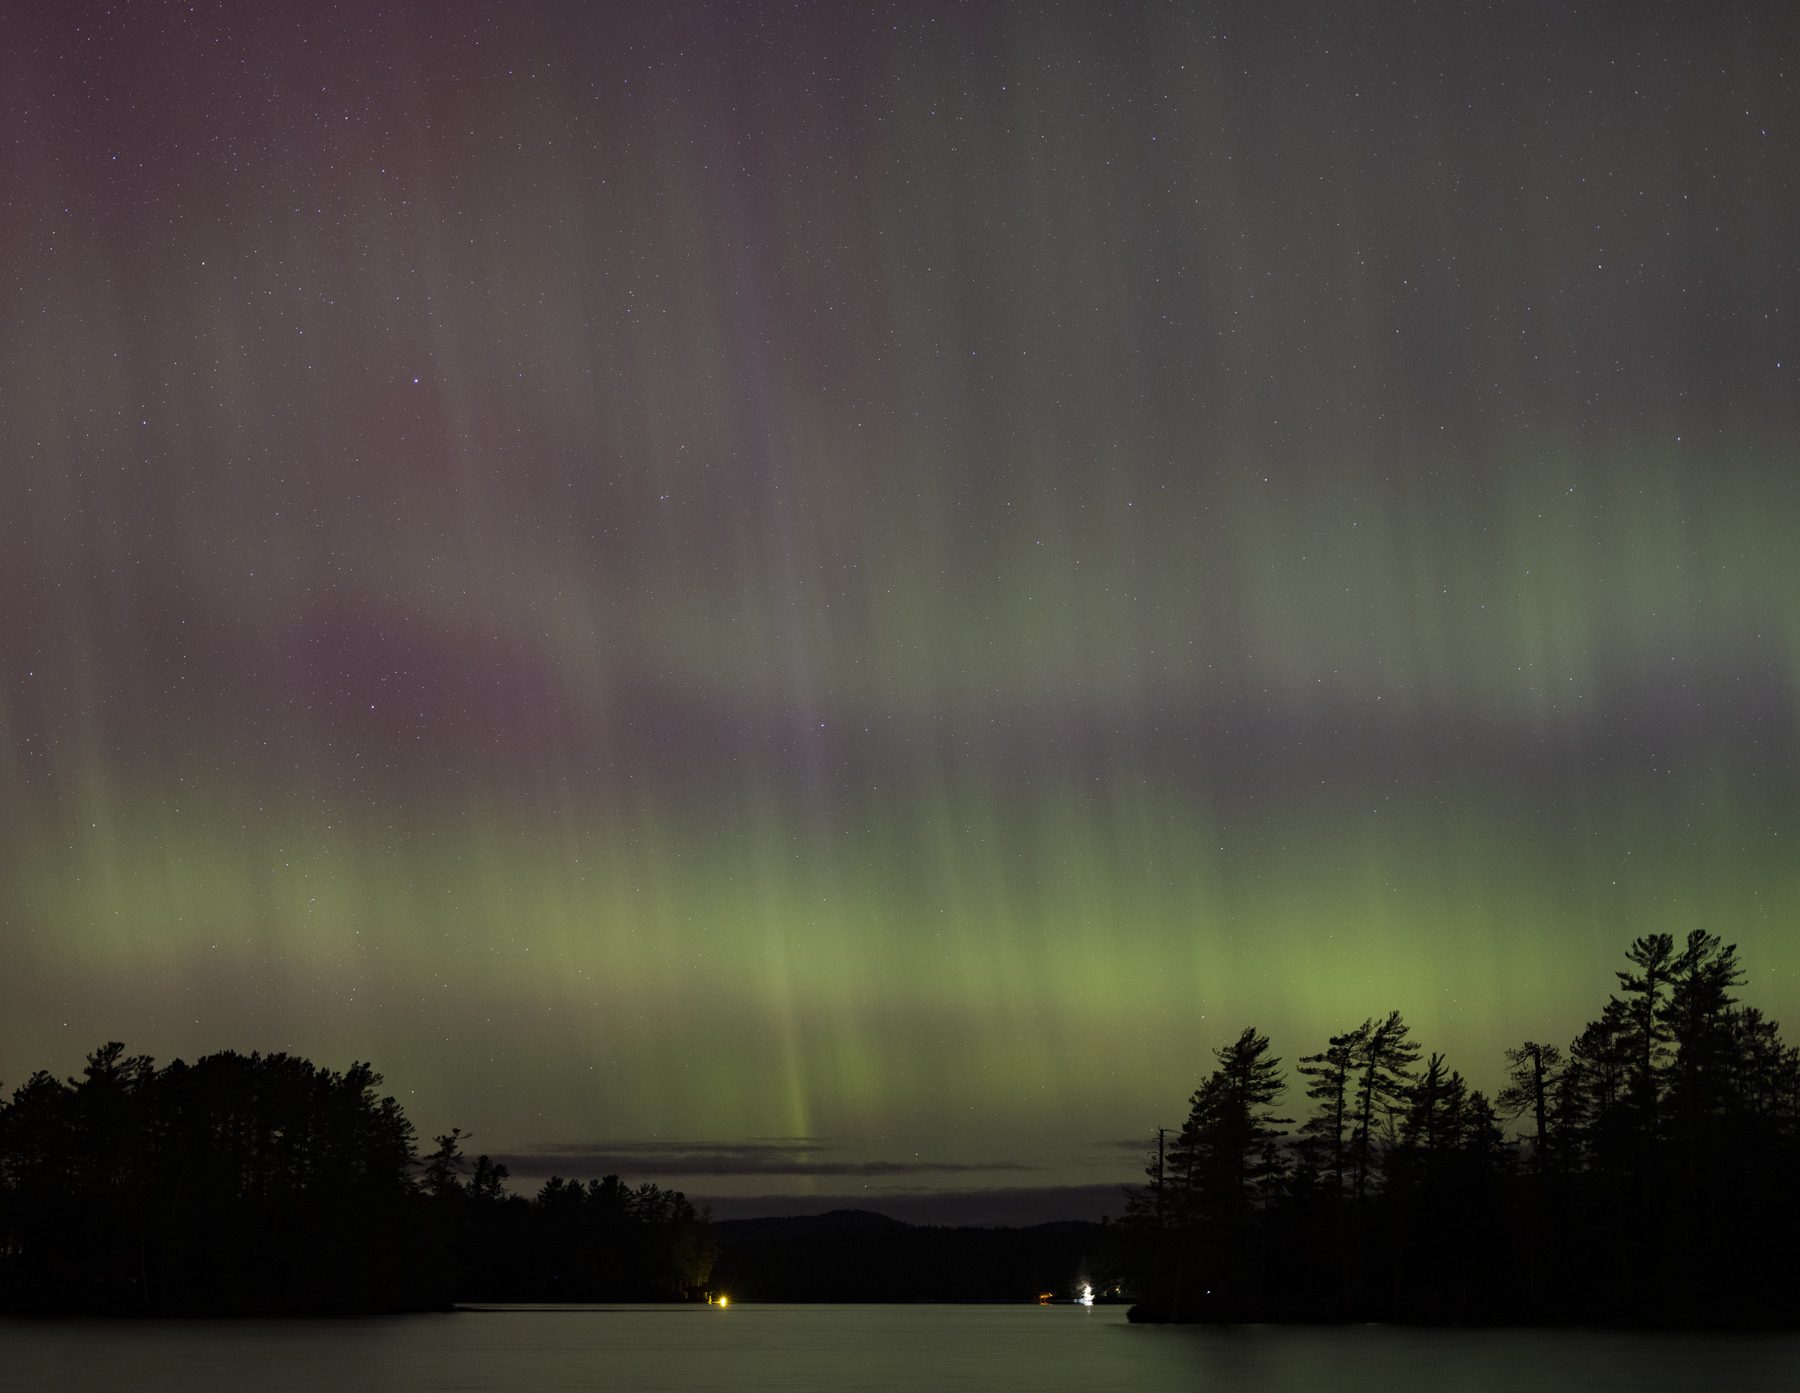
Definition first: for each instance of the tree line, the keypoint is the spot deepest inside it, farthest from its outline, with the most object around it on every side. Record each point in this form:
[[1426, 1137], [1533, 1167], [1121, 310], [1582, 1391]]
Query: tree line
[[858, 1256], [264, 1183], [1652, 1180]]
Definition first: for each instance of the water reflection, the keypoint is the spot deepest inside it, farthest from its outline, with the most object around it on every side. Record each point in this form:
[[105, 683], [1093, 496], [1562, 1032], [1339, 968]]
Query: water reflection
[[845, 1348]]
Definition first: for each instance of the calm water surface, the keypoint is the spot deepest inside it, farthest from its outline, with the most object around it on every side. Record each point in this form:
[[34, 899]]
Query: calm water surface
[[842, 1348]]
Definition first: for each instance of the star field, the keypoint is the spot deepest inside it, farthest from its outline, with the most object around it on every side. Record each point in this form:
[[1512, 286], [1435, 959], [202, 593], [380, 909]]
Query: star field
[[889, 574]]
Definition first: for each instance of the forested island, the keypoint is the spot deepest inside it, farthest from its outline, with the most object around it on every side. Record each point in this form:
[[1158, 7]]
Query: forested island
[[259, 1184], [1654, 1183]]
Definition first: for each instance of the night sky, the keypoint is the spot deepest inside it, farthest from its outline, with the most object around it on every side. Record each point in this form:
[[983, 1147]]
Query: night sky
[[820, 599]]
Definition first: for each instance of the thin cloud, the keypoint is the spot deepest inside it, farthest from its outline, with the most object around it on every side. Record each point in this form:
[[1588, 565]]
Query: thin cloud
[[787, 1156]]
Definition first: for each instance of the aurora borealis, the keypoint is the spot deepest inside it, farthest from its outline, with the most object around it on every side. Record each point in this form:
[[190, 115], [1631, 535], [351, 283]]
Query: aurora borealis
[[833, 594]]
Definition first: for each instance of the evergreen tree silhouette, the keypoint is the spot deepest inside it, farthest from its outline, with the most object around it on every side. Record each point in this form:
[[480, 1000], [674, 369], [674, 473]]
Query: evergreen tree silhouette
[[1645, 1020], [1533, 1072], [1325, 1131], [1379, 1063], [1664, 1144]]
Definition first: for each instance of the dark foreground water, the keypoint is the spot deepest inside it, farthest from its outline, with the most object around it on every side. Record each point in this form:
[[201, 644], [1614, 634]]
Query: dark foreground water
[[844, 1348]]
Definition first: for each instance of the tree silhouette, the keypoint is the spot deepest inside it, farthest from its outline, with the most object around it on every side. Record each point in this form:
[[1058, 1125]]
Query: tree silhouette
[[1648, 1031], [1701, 1085], [1330, 1072], [1533, 1072], [1664, 1142], [262, 1183], [1379, 1061]]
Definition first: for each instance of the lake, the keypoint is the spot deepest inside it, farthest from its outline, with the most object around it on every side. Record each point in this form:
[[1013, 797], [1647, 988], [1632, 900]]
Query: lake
[[847, 1348]]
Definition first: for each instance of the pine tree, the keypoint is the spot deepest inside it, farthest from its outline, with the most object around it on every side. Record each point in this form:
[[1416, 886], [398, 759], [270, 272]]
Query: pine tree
[[1323, 1134], [1482, 1139], [1380, 1064], [1533, 1072], [1645, 990], [1698, 1017], [1230, 1123], [1596, 1089], [1224, 1167], [443, 1168], [1433, 1122]]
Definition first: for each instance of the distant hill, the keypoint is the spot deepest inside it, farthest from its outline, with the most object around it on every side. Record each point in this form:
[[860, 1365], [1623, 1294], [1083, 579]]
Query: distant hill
[[793, 1226], [854, 1255]]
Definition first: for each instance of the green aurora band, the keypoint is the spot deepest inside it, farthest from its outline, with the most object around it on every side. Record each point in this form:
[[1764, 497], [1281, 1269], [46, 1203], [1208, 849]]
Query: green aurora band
[[903, 607]]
